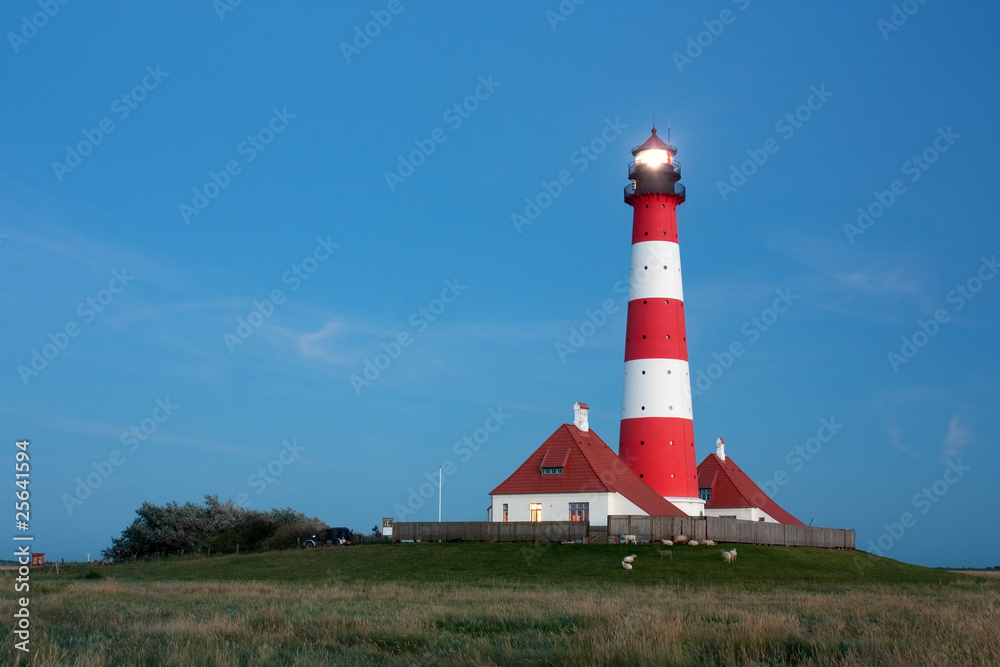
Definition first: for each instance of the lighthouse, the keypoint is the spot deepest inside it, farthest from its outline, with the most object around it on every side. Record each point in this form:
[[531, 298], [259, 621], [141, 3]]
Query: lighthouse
[[657, 430]]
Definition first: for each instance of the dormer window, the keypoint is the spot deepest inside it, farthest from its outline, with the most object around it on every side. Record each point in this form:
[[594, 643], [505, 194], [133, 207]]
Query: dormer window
[[552, 471], [705, 494]]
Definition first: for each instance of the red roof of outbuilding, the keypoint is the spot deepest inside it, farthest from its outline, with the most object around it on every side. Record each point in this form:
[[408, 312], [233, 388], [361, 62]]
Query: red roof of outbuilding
[[589, 466], [654, 142], [732, 488]]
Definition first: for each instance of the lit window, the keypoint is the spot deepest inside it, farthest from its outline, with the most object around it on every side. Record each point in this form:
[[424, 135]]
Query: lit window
[[552, 471], [536, 512], [505, 511], [705, 494], [579, 511]]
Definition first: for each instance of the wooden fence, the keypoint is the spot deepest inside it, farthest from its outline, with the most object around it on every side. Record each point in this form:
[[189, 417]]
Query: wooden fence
[[490, 531], [656, 528], [645, 528]]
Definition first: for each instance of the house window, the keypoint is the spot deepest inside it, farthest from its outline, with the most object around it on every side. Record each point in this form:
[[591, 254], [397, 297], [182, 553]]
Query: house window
[[552, 471], [727, 516], [579, 511], [505, 511], [761, 519], [536, 512], [705, 494]]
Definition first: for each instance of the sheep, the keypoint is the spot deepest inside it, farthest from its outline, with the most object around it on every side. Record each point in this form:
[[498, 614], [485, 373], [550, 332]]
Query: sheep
[[667, 543], [729, 556], [680, 539], [733, 552], [692, 543], [708, 543], [626, 566], [629, 539], [628, 559]]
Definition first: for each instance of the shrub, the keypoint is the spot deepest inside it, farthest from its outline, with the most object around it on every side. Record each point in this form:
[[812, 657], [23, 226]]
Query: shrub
[[216, 526]]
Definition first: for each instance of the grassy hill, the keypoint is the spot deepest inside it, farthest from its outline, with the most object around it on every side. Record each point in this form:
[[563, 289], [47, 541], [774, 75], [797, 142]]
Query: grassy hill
[[544, 563]]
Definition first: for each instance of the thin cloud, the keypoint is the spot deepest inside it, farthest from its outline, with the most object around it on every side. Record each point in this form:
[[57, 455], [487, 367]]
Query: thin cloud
[[958, 436]]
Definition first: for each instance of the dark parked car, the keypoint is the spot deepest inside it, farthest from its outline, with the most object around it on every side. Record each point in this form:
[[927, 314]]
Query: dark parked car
[[332, 536]]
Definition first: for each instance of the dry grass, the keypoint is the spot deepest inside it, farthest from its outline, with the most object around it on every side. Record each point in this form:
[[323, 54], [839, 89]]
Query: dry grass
[[110, 622]]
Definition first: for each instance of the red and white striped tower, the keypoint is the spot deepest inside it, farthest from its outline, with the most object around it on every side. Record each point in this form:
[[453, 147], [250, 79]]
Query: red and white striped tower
[[657, 431]]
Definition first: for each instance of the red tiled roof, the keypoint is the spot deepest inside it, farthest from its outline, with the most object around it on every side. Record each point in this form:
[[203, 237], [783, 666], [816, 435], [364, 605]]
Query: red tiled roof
[[590, 467], [732, 488]]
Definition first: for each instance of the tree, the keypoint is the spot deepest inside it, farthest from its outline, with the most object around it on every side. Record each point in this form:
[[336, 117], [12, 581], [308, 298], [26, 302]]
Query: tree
[[217, 526]]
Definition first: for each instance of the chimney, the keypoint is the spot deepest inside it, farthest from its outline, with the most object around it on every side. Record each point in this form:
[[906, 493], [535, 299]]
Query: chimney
[[580, 411], [720, 448]]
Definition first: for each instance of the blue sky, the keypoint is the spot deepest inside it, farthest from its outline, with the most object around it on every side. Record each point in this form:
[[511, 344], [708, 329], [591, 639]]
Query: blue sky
[[169, 171]]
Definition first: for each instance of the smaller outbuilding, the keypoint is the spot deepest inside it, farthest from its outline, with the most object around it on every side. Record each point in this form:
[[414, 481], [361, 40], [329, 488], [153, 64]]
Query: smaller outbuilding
[[728, 492]]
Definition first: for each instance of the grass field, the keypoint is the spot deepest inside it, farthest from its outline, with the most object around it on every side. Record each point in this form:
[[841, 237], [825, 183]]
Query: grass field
[[523, 604]]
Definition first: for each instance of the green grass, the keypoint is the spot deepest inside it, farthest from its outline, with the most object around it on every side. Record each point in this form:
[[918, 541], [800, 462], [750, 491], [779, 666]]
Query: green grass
[[545, 563], [500, 604]]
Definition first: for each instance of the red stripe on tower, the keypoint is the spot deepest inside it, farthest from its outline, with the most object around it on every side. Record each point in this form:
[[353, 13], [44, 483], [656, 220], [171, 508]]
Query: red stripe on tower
[[657, 431]]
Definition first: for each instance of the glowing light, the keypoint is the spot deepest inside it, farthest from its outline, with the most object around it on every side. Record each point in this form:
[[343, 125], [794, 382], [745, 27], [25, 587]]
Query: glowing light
[[653, 157]]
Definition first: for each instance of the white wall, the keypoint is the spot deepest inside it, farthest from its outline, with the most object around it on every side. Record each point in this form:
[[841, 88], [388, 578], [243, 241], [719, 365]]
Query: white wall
[[690, 506], [555, 506], [745, 513]]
